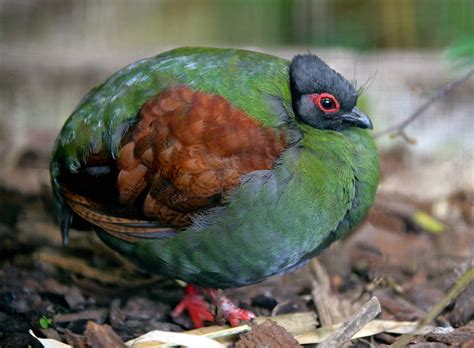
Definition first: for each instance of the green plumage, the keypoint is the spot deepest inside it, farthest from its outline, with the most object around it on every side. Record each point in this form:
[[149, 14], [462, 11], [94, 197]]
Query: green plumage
[[318, 190], [248, 79]]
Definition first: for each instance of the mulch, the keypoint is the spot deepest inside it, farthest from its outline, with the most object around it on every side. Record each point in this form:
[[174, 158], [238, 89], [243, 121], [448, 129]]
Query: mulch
[[86, 295]]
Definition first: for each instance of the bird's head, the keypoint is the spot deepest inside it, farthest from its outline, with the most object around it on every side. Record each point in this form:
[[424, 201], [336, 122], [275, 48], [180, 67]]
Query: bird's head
[[322, 98]]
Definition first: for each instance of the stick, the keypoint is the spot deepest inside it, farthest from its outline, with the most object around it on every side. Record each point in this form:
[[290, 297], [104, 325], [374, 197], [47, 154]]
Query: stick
[[353, 324], [399, 129]]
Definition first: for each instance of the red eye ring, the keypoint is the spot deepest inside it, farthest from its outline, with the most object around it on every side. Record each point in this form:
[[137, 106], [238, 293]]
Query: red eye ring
[[318, 98]]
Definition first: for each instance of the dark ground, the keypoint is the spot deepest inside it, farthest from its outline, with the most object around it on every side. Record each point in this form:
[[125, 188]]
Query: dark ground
[[397, 255]]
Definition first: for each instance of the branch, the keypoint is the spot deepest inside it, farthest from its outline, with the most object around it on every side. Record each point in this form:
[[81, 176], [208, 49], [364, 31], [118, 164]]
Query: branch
[[399, 129]]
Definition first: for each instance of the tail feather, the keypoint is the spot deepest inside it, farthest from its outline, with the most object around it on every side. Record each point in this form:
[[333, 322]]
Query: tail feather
[[66, 217]]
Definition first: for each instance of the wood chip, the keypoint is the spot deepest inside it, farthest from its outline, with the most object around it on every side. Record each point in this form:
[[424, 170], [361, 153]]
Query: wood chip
[[463, 309], [74, 298], [117, 316], [331, 310], [78, 265], [83, 268], [267, 334], [77, 341], [452, 337], [102, 336], [98, 315], [401, 308], [461, 284]]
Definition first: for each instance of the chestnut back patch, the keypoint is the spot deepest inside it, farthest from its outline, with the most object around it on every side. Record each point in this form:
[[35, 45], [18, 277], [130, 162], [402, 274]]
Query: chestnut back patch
[[187, 151]]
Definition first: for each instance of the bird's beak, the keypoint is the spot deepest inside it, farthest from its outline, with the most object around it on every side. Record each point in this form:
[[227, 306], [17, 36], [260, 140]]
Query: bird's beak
[[357, 118]]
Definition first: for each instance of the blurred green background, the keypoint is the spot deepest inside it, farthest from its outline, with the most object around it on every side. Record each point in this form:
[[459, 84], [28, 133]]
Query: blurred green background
[[53, 51], [359, 24]]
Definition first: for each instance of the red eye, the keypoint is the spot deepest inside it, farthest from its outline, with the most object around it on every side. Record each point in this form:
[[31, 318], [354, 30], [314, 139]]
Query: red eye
[[325, 101]]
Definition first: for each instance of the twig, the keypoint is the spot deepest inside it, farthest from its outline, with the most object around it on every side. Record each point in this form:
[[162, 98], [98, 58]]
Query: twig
[[326, 305], [330, 308], [399, 129], [372, 328], [461, 284], [77, 265], [353, 324]]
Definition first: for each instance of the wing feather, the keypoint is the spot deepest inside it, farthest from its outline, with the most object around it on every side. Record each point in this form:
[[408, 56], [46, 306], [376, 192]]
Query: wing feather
[[184, 154], [123, 228]]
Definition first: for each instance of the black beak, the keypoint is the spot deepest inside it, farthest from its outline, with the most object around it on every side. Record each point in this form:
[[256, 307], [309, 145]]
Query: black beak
[[357, 118]]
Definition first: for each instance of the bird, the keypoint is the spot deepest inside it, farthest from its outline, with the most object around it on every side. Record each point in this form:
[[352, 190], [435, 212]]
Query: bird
[[218, 167]]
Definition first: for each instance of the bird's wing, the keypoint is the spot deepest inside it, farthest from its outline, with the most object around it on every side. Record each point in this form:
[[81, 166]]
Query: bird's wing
[[186, 152], [127, 229]]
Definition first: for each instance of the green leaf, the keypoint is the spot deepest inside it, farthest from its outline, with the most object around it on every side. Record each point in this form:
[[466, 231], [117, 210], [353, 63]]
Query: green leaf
[[427, 222], [45, 322], [462, 52]]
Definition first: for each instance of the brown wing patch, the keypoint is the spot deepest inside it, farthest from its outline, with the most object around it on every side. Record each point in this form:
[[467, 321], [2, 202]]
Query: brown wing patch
[[188, 149]]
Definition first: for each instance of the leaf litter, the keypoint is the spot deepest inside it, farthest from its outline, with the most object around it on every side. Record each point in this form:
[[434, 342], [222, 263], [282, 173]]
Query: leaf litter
[[408, 254]]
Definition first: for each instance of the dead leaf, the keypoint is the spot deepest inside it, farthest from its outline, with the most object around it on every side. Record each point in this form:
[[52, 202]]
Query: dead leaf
[[102, 336]]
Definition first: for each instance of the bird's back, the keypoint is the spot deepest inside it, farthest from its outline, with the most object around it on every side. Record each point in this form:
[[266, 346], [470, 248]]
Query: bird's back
[[222, 114], [253, 82]]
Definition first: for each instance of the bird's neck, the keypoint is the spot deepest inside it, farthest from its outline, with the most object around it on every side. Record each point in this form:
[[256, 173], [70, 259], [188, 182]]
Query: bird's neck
[[329, 147], [349, 159]]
